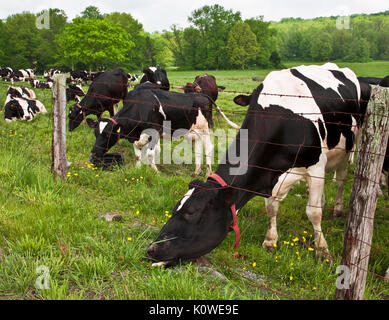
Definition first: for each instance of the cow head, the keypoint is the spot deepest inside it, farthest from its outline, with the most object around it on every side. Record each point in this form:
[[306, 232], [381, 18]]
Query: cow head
[[13, 110], [156, 75], [199, 223], [107, 133], [76, 115], [191, 87]]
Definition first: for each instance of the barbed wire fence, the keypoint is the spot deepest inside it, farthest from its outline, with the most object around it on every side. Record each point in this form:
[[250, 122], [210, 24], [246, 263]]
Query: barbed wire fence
[[358, 264]]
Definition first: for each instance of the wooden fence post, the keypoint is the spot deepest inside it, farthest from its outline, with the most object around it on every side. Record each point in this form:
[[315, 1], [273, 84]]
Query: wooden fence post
[[59, 161], [363, 199]]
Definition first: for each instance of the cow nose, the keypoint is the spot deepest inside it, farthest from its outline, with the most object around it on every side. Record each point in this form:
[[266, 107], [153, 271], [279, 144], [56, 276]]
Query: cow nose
[[151, 250]]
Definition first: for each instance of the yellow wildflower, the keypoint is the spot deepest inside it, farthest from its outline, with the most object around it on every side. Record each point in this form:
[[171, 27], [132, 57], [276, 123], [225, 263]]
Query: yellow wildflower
[[254, 264], [311, 249], [296, 239]]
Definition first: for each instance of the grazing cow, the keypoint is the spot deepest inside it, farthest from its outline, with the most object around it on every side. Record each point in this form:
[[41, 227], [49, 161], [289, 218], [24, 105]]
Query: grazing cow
[[156, 75], [105, 91], [74, 92], [146, 107], [289, 139]]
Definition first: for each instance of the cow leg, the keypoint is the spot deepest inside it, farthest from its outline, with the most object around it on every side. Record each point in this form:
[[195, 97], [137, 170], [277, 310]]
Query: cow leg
[[152, 151], [285, 182], [341, 173], [144, 139], [198, 153], [208, 148], [314, 207]]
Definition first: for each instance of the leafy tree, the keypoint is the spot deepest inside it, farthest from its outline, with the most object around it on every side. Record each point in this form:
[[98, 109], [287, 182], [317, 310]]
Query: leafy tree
[[214, 24], [135, 57], [242, 45], [22, 40], [97, 43], [91, 12], [266, 39], [321, 49]]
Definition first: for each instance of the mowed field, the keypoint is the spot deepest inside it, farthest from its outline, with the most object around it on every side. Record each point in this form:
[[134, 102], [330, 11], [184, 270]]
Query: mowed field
[[44, 222]]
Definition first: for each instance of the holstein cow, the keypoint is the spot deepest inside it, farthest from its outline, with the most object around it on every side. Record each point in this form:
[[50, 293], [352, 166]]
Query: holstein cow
[[20, 104], [156, 75], [147, 107], [41, 84], [105, 91], [74, 92], [296, 117], [6, 72]]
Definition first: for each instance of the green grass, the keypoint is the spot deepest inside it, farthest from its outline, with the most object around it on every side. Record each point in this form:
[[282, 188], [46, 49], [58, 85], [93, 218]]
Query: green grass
[[58, 225]]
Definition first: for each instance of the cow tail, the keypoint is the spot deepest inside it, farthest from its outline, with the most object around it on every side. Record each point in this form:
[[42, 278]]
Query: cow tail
[[232, 124]]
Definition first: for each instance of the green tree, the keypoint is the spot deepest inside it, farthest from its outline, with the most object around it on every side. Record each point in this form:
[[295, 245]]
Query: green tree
[[266, 39], [97, 43], [91, 12], [242, 45], [214, 24], [22, 40], [135, 57], [321, 49]]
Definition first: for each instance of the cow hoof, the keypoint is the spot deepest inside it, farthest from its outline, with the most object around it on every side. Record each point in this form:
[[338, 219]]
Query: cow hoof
[[270, 246]]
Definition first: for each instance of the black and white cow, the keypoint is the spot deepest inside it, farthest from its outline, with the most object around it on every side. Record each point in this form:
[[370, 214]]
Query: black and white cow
[[41, 84], [156, 75], [105, 91], [20, 92], [78, 76], [50, 73], [74, 92], [147, 107], [6, 72], [296, 118]]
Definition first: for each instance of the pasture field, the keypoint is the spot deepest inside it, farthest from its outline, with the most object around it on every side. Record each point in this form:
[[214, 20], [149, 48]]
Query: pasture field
[[44, 222]]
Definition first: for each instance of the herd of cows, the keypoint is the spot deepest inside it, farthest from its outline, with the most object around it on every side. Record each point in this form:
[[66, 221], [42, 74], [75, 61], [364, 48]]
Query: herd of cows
[[301, 123]]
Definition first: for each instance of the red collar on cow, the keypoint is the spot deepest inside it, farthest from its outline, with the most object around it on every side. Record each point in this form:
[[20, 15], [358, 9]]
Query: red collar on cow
[[113, 120], [234, 226], [118, 132]]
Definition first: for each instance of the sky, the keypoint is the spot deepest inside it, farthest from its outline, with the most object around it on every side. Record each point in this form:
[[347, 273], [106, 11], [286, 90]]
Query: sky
[[158, 15]]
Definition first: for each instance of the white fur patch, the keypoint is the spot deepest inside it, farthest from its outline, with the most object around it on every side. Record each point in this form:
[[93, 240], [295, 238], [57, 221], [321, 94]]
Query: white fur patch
[[185, 198], [102, 125], [153, 69]]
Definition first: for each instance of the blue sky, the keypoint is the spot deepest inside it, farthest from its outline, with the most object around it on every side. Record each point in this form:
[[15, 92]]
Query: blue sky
[[157, 15]]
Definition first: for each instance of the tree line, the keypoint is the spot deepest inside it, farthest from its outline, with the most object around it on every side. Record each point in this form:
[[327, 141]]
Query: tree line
[[216, 38]]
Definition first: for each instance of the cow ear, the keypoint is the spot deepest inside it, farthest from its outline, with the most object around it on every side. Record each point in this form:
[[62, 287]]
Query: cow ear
[[242, 100], [220, 88], [196, 184]]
